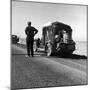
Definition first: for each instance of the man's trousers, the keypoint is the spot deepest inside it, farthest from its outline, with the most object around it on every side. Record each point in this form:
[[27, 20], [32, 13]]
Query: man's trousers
[[29, 44]]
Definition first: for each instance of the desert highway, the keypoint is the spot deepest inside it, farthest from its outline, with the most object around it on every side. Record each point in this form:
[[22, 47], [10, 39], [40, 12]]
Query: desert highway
[[43, 71]]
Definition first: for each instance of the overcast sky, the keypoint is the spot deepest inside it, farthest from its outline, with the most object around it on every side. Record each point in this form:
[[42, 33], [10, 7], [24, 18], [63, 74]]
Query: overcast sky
[[41, 13]]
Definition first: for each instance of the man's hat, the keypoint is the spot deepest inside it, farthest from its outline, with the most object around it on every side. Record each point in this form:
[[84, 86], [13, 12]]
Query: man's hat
[[29, 23]]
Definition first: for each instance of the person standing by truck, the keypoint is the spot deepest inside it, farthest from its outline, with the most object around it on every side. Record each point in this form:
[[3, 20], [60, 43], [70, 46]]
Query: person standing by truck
[[30, 32]]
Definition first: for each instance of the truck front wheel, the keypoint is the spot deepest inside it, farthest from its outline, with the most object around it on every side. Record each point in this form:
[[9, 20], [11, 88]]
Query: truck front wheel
[[48, 49]]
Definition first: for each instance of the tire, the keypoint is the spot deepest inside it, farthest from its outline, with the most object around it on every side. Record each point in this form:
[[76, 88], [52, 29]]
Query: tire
[[34, 47], [48, 49]]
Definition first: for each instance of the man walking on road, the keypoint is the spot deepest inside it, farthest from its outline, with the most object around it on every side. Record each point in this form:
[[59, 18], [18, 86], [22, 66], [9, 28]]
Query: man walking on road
[[30, 32]]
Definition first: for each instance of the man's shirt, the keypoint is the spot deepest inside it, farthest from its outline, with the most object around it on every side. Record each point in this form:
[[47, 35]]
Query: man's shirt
[[30, 32]]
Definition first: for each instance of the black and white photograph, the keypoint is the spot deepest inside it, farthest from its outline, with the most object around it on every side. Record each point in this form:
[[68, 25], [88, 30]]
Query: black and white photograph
[[49, 44]]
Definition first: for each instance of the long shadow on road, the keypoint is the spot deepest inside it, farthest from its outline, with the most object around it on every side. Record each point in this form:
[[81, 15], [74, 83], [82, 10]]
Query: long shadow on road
[[73, 56]]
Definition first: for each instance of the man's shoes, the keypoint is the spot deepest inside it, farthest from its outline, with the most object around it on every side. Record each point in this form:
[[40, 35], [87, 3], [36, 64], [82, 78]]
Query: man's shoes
[[32, 55], [27, 55]]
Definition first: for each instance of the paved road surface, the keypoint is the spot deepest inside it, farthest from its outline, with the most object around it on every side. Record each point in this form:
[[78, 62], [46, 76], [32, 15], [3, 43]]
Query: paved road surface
[[42, 71]]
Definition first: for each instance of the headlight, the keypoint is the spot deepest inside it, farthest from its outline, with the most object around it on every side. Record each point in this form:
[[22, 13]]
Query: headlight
[[56, 36]]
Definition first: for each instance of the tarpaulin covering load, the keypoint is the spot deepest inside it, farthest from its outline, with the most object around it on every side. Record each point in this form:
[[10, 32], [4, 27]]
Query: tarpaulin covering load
[[61, 26], [57, 28]]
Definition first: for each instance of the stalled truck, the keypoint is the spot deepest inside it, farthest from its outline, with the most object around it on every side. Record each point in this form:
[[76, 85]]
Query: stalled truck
[[57, 38]]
